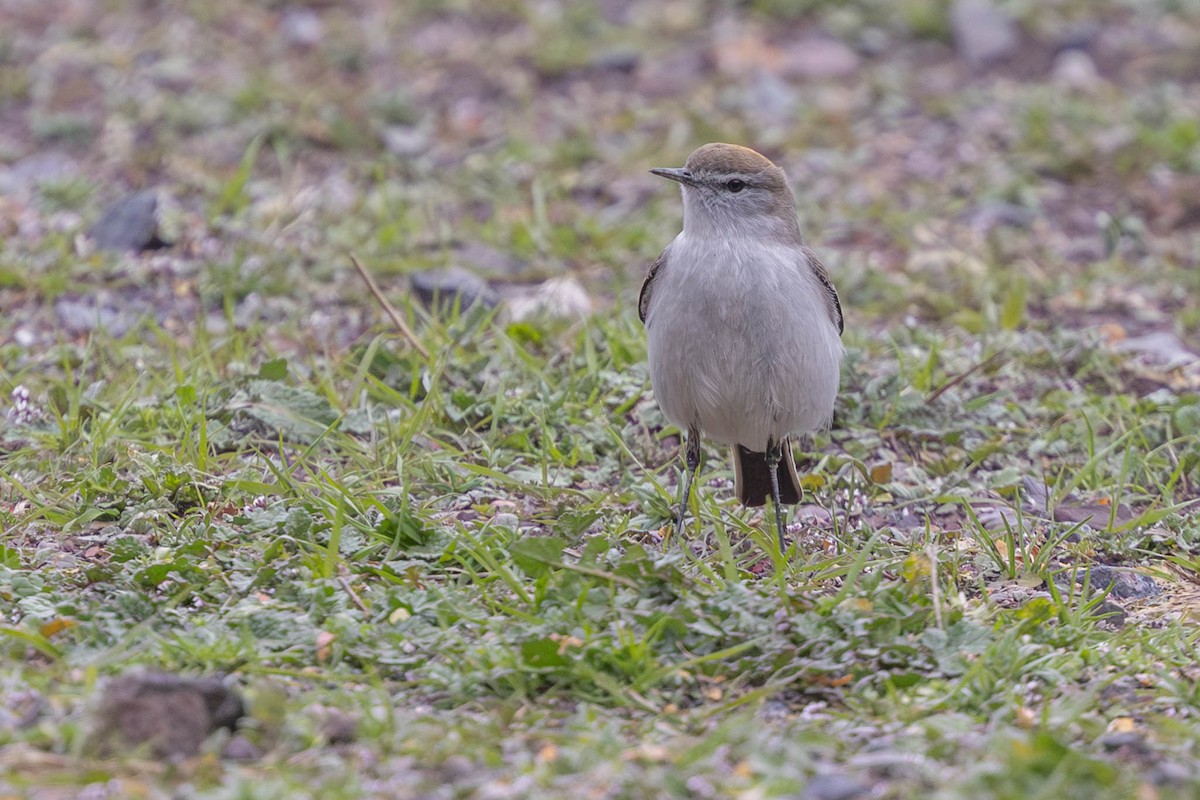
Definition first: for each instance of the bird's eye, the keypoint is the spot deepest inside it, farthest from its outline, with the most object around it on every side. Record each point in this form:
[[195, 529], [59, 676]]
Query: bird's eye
[[735, 185]]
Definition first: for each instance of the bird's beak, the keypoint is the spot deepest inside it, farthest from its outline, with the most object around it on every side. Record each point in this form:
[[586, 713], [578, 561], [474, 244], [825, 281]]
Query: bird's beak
[[678, 175]]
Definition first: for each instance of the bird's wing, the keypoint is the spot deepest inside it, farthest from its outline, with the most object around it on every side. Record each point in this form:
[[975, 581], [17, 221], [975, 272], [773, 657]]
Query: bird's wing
[[648, 284], [832, 303]]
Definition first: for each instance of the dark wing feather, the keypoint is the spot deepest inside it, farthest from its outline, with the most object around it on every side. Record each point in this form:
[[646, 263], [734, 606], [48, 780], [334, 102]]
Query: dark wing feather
[[648, 285], [831, 296]]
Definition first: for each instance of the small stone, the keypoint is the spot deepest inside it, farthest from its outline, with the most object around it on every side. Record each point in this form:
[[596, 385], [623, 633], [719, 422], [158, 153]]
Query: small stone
[[673, 74], [1079, 35], [991, 215], [171, 714], [997, 517], [1169, 773], [1124, 740], [37, 169], [558, 297], [21, 709], [739, 49], [770, 98], [239, 748], [982, 33], [1160, 347], [506, 520], [1075, 69], [482, 258], [1126, 584], [812, 514], [442, 289], [406, 141], [301, 27], [85, 315], [620, 60], [338, 727], [833, 786], [819, 58], [129, 225], [1111, 615]]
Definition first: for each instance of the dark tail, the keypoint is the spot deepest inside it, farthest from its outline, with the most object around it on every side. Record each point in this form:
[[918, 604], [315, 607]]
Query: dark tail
[[752, 479]]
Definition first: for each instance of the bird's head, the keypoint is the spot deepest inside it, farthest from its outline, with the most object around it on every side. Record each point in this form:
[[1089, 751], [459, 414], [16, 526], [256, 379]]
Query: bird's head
[[729, 190]]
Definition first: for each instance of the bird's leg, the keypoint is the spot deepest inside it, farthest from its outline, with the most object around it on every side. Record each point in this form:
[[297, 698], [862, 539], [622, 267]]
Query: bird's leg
[[685, 487], [774, 455]]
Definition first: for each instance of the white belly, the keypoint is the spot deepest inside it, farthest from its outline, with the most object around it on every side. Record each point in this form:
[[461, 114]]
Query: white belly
[[745, 353]]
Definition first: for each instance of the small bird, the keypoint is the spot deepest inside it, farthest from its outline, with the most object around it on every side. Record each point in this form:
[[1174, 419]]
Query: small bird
[[743, 325]]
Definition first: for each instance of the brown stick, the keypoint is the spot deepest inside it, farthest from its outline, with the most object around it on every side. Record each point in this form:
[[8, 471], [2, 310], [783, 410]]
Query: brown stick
[[957, 379], [391, 311]]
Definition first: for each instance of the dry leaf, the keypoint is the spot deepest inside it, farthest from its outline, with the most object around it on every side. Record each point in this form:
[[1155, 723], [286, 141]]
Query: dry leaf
[[1026, 717], [1122, 725], [325, 641], [57, 626]]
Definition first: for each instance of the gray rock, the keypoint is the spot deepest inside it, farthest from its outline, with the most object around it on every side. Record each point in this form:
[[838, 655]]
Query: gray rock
[[1134, 741], [982, 33], [1075, 69], [301, 27], [488, 260], [441, 289], [129, 225], [31, 172], [620, 60], [171, 714], [560, 298], [1170, 773], [1159, 347], [833, 786], [1126, 584], [769, 98], [339, 727], [407, 141], [991, 214], [1080, 35], [239, 748], [818, 58], [1111, 615], [87, 314], [21, 710]]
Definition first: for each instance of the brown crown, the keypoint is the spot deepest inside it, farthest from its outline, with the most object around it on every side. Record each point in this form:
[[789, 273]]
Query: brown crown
[[721, 157]]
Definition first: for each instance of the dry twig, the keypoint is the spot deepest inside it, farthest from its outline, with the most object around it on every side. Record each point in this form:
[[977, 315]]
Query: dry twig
[[397, 320]]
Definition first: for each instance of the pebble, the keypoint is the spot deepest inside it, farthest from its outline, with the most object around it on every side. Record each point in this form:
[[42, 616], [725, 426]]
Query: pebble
[[1075, 69], [982, 33], [128, 225], [442, 289]]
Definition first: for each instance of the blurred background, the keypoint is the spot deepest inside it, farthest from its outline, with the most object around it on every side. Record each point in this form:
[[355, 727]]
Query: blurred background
[[949, 156]]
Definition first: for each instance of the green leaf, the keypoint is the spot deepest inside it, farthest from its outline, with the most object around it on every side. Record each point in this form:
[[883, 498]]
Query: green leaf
[[1013, 312], [405, 529], [274, 370], [155, 574], [1187, 419], [35, 640], [536, 554], [524, 333], [542, 653], [233, 196], [298, 414]]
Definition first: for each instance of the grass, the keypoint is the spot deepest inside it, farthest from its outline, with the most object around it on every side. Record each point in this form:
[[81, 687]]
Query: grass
[[457, 577], [474, 560]]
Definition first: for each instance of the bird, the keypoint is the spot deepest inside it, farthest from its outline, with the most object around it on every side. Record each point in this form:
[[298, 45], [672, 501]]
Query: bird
[[743, 325]]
